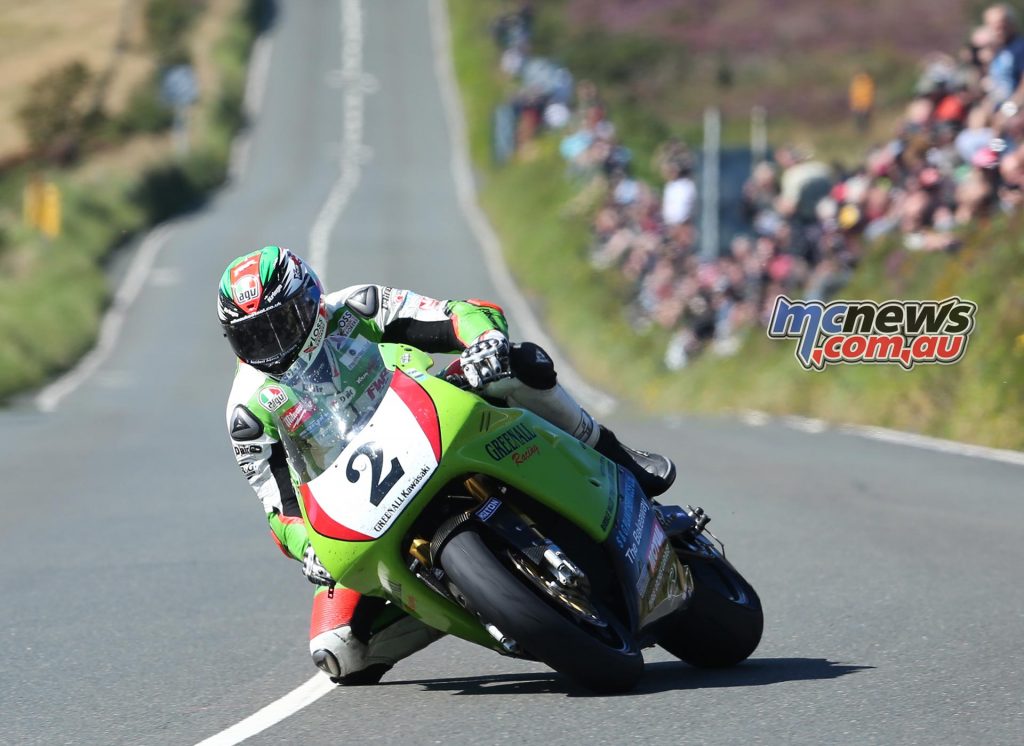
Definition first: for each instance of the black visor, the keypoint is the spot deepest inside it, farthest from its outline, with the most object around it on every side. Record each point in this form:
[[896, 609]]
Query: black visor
[[270, 340]]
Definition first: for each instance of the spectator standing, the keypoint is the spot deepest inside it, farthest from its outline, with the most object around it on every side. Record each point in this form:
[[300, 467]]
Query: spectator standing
[[680, 193], [1007, 65], [862, 99]]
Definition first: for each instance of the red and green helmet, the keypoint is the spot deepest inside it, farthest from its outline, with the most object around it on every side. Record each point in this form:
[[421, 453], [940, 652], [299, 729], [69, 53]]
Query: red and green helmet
[[268, 303]]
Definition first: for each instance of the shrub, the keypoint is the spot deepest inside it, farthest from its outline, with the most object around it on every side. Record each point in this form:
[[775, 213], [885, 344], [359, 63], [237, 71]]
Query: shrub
[[53, 115], [145, 111], [167, 25]]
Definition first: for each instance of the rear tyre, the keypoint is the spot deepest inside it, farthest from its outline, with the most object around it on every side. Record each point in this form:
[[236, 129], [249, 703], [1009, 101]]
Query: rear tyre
[[603, 659], [723, 622]]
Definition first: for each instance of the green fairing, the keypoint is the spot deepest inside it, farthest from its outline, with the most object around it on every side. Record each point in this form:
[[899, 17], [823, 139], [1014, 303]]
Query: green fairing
[[511, 445]]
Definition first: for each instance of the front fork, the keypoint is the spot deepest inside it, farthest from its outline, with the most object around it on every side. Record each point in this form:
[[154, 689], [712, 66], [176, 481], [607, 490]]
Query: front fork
[[538, 558]]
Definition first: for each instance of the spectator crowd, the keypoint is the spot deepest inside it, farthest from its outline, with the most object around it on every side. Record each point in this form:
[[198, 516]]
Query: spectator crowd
[[957, 156]]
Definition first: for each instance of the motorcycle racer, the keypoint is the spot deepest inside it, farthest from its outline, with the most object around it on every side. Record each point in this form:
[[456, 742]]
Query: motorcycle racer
[[274, 312]]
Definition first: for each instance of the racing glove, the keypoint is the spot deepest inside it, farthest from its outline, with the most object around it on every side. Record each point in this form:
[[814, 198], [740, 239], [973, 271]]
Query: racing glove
[[314, 571], [486, 360]]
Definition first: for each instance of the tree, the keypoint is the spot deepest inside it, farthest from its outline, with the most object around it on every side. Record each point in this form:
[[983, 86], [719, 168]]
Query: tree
[[54, 112], [167, 25]]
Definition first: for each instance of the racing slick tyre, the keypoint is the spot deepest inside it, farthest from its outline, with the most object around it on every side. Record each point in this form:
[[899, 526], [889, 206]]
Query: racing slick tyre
[[722, 624], [602, 657]]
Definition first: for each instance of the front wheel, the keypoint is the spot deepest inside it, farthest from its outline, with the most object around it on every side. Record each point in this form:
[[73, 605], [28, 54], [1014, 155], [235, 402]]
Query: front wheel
[[601, 656], [722, 624]]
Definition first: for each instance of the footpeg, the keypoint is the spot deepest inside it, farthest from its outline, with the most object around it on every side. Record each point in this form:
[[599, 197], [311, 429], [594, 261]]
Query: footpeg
[[676, 520], [700, 518]]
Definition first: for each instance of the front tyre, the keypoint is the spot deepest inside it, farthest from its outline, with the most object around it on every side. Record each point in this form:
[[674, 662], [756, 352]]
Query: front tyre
[[722, 624], [603, 659]]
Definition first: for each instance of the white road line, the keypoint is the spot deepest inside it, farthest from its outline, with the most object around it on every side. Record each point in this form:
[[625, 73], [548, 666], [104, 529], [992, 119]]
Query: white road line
[[935, 444], [756, 418], [806, 424], [599, 402], [275, 712], [353, 151], [252, 104], [352, 155], [50, 397]]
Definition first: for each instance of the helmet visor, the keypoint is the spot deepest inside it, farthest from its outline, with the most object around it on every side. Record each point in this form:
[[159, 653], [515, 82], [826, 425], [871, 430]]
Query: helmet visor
[[270, 340]]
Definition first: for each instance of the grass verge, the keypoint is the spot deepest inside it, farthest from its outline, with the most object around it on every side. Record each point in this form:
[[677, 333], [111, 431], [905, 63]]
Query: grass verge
[[53, 293], [544, 231]]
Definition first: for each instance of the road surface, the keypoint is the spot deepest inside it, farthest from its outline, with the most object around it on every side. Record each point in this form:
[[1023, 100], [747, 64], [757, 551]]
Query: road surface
[[144, 603]]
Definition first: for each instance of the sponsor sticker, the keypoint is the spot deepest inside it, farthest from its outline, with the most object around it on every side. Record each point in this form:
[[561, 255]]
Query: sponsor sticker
[[296, 415], [317, 334], [246, 291], [509, 441], [657, 539], [272, 397], [901, 332], [625, 508], [377, 385], [489, 509], [394, 508], [521, 457], [347, 323]]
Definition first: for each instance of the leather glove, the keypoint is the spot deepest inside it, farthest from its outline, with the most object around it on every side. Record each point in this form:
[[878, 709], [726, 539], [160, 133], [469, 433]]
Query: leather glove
[[315, 572], [486, 360]]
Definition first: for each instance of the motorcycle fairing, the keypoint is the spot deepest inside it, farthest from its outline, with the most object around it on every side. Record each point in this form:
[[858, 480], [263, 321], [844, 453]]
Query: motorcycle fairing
[[380, 470], [644, 558]]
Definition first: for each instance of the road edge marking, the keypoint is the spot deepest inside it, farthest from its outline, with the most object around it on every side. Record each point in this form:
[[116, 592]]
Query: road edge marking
[[598, 401], [51, 395], [814, 426], [298, 698]]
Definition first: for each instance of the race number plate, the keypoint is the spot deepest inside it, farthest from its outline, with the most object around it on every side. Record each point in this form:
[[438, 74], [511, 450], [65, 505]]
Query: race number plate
[[380, 471]]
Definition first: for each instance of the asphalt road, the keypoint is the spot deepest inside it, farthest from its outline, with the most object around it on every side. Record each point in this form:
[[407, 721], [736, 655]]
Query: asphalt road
[[144, 603]]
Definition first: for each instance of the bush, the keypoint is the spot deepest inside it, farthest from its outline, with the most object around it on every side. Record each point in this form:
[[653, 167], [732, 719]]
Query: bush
[[145, 111], [54, 112], [616, 59], [167, 25]]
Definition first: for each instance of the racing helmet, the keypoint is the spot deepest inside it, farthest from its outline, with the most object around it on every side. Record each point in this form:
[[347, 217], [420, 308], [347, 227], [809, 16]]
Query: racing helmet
[[272, 310]]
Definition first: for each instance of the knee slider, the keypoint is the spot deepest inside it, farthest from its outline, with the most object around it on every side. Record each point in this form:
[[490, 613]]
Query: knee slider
[[531, 365], [338, 652]]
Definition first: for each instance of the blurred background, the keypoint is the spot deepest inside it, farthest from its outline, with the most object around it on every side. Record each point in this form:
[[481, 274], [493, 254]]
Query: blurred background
[[695, 160], [686, 163], [657, 173]]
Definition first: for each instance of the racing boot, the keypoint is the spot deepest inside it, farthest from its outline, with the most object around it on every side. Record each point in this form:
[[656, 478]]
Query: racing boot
[[534, 386], [343, 646], [654, 473]]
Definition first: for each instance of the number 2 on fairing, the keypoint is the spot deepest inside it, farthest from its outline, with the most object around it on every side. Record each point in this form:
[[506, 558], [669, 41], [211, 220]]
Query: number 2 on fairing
[[378, 488]]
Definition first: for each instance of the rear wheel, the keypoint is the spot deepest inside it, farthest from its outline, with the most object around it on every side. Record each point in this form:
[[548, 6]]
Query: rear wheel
[[564, 630], [722, 624]]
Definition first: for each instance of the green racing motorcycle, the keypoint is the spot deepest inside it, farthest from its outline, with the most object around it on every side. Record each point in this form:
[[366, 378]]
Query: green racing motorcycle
[[489, 523]]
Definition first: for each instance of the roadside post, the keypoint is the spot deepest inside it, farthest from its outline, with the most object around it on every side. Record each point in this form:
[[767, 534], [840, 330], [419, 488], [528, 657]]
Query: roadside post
[[709, 184], [41, 206]]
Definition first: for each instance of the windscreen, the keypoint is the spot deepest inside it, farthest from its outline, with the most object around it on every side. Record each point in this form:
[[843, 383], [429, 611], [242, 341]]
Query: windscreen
[[331, 398]]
